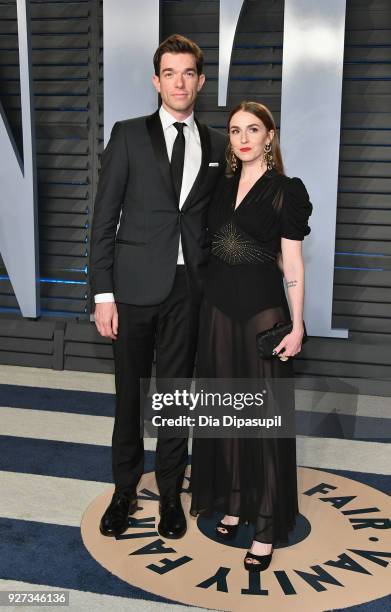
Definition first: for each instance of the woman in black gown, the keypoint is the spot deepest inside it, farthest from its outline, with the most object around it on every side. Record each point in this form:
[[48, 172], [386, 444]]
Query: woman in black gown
[[257, 220]]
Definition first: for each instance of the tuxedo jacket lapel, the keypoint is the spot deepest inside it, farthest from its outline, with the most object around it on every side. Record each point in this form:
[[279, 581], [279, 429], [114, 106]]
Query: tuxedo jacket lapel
[[156, 134], [205, 148]]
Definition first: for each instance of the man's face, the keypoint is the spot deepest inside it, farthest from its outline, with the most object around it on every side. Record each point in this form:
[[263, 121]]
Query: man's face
[[178, 82]]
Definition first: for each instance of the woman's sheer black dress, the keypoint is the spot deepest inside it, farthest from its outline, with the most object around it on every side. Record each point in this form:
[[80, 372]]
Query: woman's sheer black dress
[[253, 478]]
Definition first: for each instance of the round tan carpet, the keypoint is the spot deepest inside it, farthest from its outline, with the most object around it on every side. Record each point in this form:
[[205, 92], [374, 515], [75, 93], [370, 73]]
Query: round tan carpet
[[339, 554]]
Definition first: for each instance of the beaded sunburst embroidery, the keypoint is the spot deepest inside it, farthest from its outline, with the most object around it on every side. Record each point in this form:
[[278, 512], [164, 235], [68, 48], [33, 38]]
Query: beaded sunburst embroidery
[[230, 245]]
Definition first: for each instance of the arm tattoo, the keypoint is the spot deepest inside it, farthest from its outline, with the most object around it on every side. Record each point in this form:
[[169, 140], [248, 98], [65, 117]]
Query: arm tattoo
[[291, 283]]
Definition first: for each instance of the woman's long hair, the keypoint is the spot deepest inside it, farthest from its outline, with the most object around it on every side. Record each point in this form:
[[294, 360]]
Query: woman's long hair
[[263, 113]]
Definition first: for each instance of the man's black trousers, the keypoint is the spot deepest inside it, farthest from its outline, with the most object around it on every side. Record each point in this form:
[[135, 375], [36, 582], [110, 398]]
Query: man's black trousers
[[172, 326]]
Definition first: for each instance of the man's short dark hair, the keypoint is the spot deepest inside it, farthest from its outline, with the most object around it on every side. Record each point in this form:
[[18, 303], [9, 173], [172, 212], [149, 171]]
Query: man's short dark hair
[[178, 44]]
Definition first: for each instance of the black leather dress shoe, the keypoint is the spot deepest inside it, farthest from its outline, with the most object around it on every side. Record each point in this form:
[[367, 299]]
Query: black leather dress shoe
[[115, 519], [172, 518]]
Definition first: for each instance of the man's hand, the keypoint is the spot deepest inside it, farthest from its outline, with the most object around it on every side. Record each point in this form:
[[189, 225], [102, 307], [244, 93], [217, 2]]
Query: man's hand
[[106, 319]]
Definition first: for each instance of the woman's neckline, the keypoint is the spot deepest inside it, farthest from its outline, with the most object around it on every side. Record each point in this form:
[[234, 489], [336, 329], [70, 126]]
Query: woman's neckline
[[238, 177]]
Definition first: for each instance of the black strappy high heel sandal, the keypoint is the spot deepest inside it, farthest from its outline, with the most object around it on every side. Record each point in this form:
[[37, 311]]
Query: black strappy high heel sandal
[[230, 533], [263, 562]]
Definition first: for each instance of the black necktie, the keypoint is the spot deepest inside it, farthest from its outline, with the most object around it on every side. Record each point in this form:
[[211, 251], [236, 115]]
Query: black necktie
[[178, 158]]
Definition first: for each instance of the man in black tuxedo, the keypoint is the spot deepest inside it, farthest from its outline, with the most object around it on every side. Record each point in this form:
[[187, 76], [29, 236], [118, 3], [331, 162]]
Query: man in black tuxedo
[[156, 180]]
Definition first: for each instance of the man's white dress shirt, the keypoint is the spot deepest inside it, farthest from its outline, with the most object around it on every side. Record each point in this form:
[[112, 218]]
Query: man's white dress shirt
[[191, 167]]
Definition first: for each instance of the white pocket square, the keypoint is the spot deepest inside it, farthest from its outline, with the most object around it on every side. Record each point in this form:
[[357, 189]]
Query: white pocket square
[[214, 164]]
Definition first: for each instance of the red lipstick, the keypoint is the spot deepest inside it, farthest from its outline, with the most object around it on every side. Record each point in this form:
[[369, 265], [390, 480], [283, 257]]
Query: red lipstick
[[245, 149]]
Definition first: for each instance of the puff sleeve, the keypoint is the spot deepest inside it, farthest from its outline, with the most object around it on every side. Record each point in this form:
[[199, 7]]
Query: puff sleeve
[[296, 209]]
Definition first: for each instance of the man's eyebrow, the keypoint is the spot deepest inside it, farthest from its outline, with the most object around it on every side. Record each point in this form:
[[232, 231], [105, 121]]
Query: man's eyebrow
[[185, 70]]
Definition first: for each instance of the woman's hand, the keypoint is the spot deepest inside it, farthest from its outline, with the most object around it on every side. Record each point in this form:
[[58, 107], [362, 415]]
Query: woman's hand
[[291, 343]]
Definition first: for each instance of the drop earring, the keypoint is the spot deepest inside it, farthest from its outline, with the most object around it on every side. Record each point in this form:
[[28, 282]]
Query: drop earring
[[268, 156], [232, 160]]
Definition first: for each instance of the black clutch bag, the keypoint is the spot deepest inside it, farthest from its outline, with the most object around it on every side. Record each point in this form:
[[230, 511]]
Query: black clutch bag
[[270, 338]]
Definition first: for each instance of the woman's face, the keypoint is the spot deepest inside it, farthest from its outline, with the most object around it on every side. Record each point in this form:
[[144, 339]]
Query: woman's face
[[248, 136]]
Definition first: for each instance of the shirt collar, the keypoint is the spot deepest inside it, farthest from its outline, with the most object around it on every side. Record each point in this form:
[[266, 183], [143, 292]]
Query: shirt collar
[[168, 120]]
